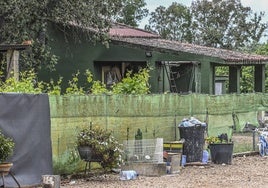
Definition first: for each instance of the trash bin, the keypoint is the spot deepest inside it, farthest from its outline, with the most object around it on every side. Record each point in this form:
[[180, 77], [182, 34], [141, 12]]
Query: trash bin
[[194, 142]]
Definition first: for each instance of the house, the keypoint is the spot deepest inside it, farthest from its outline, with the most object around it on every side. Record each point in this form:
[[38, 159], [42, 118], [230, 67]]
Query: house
[[176, 67]]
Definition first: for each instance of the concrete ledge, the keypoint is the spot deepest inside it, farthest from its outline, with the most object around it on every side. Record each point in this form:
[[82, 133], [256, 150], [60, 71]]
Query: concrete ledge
[[175, 160], [147, 169], [248, 153]]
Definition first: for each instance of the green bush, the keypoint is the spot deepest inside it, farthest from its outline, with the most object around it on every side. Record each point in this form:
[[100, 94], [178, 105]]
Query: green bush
[[6, 147], [103, 144], [131, 84], [67, 163], [136, 84]]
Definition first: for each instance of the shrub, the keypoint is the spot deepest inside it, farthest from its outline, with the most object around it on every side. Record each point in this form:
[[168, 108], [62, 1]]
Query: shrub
[[103, 144], [136, 84], [6, 147]]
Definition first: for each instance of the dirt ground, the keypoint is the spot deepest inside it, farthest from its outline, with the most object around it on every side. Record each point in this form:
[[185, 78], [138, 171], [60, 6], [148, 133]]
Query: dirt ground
[[246, 171]]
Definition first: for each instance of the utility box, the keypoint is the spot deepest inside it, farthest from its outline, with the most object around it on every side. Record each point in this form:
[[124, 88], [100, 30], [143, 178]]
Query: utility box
[[220, 85]]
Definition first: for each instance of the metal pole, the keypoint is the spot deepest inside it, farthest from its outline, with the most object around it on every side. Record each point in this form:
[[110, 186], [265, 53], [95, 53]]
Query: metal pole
[[253, 136], [175, 128]]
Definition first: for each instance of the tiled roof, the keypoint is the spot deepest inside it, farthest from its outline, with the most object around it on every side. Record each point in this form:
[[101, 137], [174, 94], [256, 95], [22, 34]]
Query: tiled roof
[[130, 36], [122, 30], [131, 33], [176, 47]]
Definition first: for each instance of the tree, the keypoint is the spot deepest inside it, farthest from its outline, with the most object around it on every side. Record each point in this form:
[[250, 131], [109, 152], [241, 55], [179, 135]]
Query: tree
[[262, 49], [132, 12], [215, 23], [226, 24], [27, 20], [173, 23]]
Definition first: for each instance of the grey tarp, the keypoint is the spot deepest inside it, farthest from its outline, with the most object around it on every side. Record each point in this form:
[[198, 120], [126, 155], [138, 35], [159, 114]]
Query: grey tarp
[[26, 118]]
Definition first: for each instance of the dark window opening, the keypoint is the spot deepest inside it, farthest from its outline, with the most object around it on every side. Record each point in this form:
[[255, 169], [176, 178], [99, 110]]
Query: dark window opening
[[114, 72]]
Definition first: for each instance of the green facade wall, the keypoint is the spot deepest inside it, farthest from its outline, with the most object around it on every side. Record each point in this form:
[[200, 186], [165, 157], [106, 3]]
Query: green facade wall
[[78, 54], [156, 115]]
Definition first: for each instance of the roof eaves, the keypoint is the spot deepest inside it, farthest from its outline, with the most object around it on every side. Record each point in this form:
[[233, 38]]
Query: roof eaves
[[124, 41], [163, 45], [246, 61]]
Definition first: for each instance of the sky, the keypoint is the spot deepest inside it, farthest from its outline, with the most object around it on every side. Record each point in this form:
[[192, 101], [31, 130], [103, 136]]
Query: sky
[[256, 6]]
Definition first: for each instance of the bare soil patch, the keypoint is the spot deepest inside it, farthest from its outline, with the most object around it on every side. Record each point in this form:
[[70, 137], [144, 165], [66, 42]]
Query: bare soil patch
[[244, 172]]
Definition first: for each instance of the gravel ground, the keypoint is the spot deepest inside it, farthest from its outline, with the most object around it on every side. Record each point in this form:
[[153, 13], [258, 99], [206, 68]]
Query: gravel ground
[[250, 171]]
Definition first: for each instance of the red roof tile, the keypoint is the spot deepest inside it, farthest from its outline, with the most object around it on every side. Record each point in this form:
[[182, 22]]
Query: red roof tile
[[122, 30], [127, 32]]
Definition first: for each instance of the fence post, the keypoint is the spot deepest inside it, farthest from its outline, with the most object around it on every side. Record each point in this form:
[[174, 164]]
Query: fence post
[[253, 136]]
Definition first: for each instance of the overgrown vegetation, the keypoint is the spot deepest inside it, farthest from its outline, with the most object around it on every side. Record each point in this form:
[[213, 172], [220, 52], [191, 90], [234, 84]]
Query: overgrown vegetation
[[67, 163], [136, 84], [131, 84], [27, 84], [7, 146], [103, 145]]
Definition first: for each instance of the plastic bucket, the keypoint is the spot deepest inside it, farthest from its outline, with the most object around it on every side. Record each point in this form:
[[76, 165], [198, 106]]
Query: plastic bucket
[[183, 160]]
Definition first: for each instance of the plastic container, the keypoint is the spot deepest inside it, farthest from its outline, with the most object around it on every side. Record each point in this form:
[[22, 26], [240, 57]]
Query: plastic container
[[183, 160], [168, 167], [205, 157], [128, 175]]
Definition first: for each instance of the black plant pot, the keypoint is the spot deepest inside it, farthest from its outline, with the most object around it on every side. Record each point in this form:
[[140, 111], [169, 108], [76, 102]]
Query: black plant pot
[[221, 153], [85, 153]]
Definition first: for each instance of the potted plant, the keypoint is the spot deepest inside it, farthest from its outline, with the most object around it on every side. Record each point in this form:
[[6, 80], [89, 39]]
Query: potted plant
[[221, 149], [6, 149], [98, 145]]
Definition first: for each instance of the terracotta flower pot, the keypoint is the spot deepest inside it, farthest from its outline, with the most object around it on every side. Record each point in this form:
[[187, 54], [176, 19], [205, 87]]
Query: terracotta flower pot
[[5, 168]]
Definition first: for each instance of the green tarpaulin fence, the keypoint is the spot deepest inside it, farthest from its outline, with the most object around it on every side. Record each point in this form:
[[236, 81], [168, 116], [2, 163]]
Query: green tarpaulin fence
[[157, 116]]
